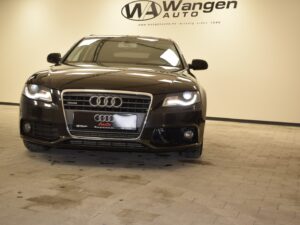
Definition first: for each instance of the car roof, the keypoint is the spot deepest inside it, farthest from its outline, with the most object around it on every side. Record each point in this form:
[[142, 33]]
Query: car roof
[[127, 36]]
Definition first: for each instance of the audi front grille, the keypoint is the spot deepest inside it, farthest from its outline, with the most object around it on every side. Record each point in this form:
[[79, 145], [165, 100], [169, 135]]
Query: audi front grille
[[106, 102]]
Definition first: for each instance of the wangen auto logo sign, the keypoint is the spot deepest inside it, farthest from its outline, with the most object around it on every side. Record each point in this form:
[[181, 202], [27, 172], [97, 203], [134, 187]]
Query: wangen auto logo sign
[[141, 10]]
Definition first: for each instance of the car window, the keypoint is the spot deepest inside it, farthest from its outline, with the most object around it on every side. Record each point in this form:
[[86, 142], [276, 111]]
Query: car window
[[134, 51], [85, 51]]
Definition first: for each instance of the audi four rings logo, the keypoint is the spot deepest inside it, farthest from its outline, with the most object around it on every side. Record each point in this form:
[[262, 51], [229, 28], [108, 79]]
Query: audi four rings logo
[[106, 101], [103, 118]]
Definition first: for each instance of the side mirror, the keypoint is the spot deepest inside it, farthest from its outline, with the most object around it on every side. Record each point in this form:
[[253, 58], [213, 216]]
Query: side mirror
[[198, 64], [54, 58]]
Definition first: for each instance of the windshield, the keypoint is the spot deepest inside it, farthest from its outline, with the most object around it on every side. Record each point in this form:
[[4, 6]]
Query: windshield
[[126, 51]]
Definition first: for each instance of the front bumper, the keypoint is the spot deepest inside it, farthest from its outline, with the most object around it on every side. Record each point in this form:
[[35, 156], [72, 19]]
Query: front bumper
[[49, 128]]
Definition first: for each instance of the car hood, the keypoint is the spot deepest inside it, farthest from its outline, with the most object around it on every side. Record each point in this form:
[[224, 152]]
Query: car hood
[[107, 78]]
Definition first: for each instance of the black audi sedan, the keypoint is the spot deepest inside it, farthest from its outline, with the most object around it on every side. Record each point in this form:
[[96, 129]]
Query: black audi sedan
[[116, 93]]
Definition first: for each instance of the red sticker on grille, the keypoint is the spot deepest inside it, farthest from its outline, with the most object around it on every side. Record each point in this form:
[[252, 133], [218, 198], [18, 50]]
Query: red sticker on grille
[[104, 124]]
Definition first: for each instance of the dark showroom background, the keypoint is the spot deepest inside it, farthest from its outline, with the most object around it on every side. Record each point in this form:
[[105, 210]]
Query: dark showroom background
[[249, 170]]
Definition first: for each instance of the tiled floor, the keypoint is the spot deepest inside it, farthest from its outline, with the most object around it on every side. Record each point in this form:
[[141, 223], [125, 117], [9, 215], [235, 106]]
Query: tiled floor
[[248, 175]]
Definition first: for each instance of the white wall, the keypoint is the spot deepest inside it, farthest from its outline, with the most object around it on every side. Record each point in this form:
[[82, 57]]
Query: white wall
[[253, 54]]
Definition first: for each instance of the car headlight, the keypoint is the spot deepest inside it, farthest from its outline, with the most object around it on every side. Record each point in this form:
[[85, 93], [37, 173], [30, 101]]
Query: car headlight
[[37, 92], [187, 98]]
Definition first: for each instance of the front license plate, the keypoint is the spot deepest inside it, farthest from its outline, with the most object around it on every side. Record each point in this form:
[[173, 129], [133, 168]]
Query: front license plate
[[84, 120]]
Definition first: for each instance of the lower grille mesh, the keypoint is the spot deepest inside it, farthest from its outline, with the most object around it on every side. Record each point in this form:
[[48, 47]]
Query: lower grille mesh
[[117, 134], [106, 144]]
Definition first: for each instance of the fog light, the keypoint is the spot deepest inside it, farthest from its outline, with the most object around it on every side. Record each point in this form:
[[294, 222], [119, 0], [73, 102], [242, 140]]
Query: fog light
[[27, 127], [188, 134]]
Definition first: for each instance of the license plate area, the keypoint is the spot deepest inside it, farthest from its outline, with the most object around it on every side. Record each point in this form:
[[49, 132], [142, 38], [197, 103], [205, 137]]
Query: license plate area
[[104, 121]]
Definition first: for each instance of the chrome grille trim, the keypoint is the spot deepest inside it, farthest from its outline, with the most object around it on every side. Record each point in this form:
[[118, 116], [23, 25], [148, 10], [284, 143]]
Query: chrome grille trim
[[104, 92], [81, 101]]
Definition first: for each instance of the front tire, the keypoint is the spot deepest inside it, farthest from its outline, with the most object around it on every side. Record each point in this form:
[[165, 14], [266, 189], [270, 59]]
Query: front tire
[[34, 147], [193, 153]]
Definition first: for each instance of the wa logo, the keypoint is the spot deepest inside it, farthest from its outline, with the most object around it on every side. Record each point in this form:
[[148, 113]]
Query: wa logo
[[141, 10]]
